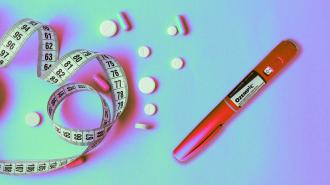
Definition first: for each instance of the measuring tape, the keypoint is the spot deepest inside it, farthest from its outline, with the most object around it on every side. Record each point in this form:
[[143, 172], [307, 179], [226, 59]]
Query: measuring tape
[[57, 71]]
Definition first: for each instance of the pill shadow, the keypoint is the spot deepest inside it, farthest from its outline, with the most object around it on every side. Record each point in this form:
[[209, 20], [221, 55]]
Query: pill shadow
[[185, 24], [220, 130], [127, 19], [157, 82]]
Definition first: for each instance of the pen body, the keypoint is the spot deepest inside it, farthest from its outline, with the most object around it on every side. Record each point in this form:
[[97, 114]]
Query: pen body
[[266, 70]]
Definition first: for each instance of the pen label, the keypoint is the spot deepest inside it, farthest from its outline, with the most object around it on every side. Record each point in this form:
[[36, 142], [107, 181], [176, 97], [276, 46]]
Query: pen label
[[245, 90]]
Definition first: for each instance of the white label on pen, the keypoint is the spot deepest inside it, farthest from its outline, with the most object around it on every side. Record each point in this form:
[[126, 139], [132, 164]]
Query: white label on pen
[[252, 84]]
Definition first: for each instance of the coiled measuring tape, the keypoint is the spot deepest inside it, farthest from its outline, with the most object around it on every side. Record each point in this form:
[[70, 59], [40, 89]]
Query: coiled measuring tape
[[57, 71]]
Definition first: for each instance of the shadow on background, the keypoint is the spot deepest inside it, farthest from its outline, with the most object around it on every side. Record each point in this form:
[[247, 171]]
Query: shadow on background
[[5, 93], [63, 28]]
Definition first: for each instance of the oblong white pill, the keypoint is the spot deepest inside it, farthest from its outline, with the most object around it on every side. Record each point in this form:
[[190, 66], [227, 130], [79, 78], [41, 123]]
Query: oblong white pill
[[32, 119], [142, 126], [144, 51], [150, 109], [172, 30], [102, 83], [108, 28], [147, 85], [177, 63], [182, 24], [124, 21]]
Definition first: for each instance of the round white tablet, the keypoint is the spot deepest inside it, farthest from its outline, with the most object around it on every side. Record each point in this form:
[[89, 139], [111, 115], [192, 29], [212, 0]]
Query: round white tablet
[[147, 85], [144, 51], [32, 119], [177, 63], [108, 28], [172, 30], [150, 109]]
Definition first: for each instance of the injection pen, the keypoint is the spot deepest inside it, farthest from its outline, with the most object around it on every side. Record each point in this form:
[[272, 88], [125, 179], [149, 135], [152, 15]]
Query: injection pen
[[263, 73]]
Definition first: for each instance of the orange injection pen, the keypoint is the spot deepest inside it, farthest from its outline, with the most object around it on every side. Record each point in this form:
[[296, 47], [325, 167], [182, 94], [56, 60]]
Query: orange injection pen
[[265, 71]]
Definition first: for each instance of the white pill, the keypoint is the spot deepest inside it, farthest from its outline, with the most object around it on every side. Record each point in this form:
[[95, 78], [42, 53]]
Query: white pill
[[142, 126], [32, 119], [124, 21], [144, 51], [108, 28], [150, 109], [182, 24], [147, 85], [177, 63], [172, 30], [101, 82]]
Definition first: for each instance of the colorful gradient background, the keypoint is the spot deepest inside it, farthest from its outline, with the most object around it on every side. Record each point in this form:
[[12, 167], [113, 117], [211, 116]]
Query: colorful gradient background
[[283, 137]]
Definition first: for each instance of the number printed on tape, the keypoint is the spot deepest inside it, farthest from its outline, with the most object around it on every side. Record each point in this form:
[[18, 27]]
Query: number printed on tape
[[57, 70]]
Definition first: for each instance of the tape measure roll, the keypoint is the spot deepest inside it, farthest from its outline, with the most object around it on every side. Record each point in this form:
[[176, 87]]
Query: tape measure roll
[[57, 71]]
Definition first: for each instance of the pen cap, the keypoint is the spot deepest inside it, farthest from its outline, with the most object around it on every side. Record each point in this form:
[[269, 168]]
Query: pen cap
[[277, 59]]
